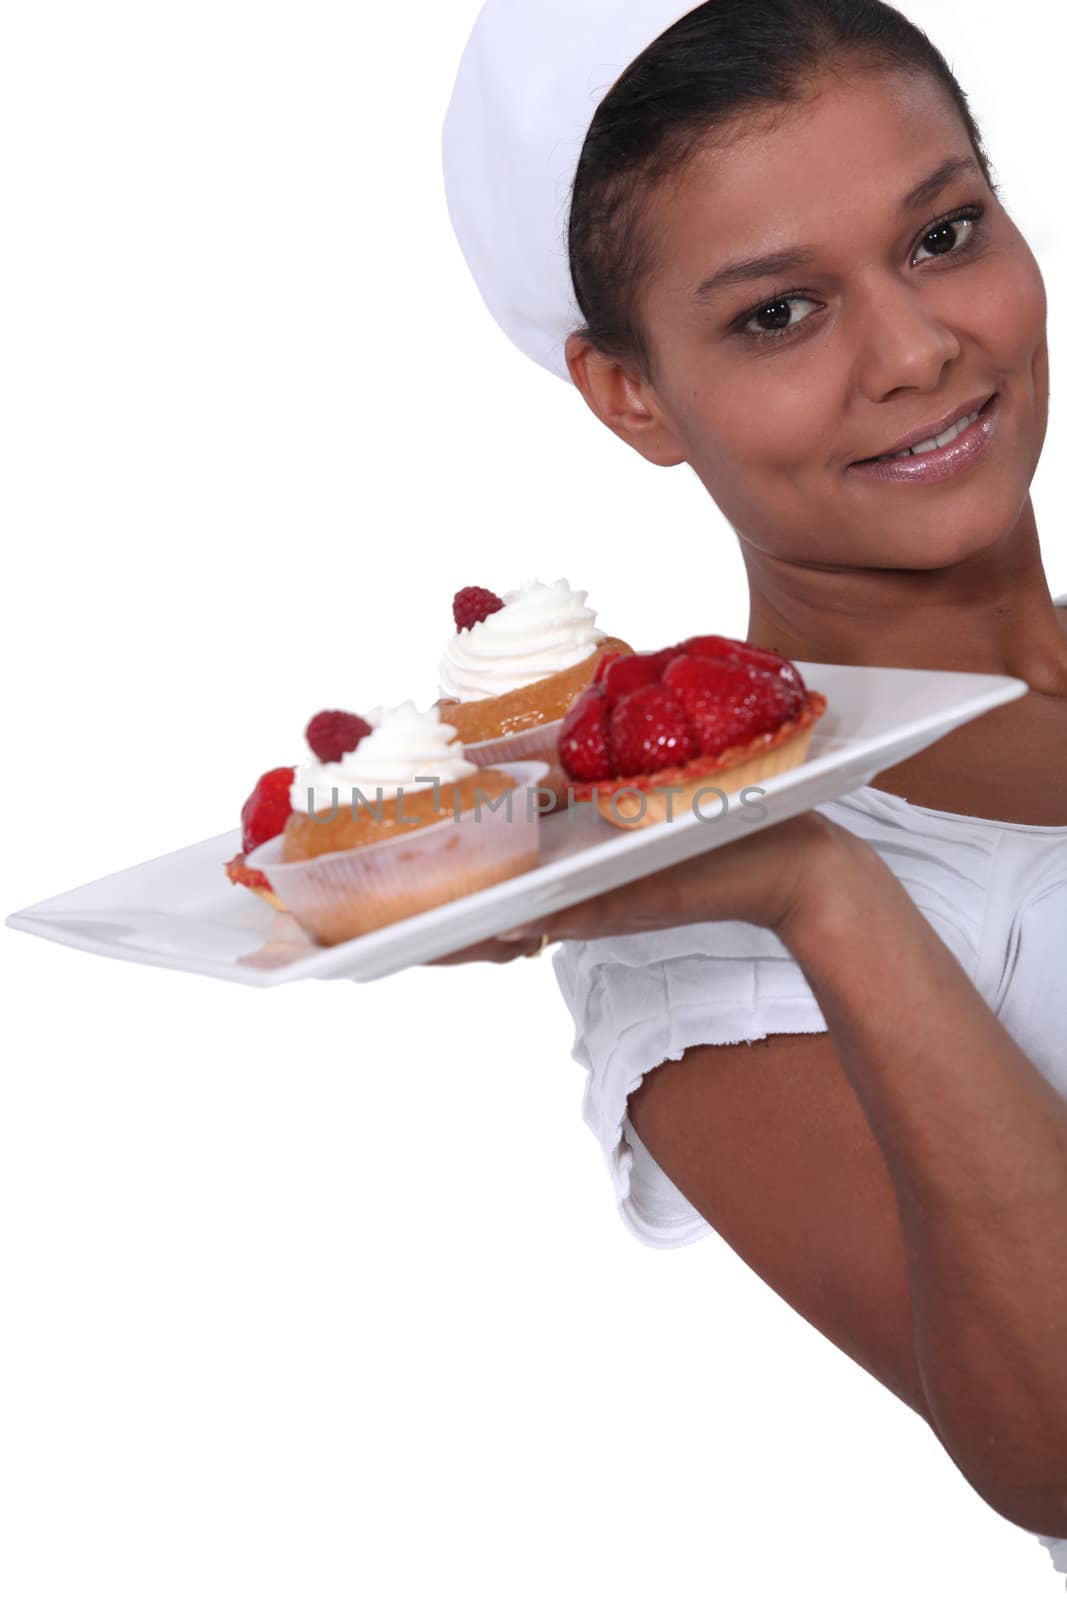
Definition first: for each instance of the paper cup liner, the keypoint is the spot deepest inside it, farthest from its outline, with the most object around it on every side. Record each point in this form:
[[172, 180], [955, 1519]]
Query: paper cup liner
[[530, 744], [345, 893]]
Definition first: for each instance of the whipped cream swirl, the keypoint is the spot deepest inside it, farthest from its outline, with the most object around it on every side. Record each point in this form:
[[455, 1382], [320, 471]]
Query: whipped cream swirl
[[406, 749], [542, 628]]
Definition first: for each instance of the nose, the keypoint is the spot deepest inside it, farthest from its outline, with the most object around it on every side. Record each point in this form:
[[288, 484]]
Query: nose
[[904, 343]]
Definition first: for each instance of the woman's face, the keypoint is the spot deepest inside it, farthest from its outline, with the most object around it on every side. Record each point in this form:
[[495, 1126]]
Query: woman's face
[[897, 318]]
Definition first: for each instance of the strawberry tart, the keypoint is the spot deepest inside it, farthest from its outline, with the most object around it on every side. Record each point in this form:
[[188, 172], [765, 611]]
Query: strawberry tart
[[652, 730]]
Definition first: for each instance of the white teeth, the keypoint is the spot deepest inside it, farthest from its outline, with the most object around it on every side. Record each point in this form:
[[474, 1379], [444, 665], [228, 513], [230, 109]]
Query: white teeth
[[937, 443]]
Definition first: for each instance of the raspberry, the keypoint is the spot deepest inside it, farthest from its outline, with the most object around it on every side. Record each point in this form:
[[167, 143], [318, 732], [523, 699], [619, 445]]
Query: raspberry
[[629, 672], [713, 644], [729, 702], [266, 811], [473, 605], [331, 734], [583, 738], [648, 730]]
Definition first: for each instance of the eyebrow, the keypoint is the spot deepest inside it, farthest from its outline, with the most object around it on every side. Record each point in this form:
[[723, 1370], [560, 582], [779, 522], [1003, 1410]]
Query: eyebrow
[[785, 260]]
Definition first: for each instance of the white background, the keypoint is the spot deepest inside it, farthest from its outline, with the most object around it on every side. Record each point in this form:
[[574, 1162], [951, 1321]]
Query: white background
[[320, 1291]]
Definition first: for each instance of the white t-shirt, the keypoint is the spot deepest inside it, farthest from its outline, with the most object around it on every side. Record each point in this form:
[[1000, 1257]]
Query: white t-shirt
[[995, 892]]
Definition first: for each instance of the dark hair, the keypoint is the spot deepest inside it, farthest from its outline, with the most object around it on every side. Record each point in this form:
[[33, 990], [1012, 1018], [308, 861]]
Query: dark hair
[[719, 61]]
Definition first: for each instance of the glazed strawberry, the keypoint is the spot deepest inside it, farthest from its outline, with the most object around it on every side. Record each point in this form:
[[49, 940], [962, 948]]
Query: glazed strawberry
[[648, 730], [710, 644], [604, 663], [331, 734], [473, 605], [583, 738], [661, 657], [266, 811], [629, 672], [713, 644], [707, 689], [729, 702]]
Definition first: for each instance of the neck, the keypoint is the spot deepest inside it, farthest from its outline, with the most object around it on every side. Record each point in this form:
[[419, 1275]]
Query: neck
[[991, 614]]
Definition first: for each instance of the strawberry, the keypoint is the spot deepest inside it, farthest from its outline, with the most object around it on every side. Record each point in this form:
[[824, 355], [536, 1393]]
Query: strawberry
[[583, 738], [713, 644], [729, 702], [473, 605], [629, 672], [604, 663], [331, 734], [648, 730], [661, 657], [266, 811], [709, 644]]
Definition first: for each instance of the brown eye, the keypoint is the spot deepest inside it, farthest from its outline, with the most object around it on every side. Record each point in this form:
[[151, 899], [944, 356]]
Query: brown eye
[[953, 235], [773, 318], [942, 239], [776, 318]]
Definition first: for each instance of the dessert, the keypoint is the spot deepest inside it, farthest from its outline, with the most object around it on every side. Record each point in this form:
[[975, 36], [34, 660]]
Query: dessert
[[263, 816], [515, 664], [654, 729], [389, 818]]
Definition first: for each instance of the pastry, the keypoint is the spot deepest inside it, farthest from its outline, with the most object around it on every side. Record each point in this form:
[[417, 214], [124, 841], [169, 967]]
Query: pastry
[[515, 664], [513, 667], [389, 818], [709, 713]]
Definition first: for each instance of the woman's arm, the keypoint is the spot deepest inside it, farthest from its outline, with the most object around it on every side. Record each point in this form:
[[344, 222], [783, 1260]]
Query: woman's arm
[[975, 1142], [973, 1137]]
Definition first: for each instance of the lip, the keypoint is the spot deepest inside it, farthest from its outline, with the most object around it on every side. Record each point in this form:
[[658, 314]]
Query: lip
[[931, 430], [934, 465]]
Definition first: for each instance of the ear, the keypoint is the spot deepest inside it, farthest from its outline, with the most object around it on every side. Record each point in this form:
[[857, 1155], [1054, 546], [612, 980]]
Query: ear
[[624, 401]]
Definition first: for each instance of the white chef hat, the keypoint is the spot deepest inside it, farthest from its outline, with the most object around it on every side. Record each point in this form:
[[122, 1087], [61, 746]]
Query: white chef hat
[[530, 79]]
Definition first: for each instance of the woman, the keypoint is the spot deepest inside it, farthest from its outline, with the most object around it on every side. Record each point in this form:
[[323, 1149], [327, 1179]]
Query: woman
[[788, 257]]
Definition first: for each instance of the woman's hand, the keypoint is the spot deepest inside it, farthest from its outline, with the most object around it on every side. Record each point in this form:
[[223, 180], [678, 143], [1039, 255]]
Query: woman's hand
[[769, 878]]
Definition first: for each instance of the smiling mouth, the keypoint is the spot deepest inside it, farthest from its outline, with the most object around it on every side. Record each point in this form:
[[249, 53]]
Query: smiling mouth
[[935, 442]]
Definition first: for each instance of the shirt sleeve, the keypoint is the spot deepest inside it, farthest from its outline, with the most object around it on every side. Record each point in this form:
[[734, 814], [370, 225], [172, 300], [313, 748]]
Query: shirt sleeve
[[1057, 1549], [644, 999]]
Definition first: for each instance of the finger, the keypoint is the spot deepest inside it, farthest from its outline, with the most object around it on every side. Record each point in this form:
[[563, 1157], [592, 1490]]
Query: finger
[[495, 950], [529, 931]]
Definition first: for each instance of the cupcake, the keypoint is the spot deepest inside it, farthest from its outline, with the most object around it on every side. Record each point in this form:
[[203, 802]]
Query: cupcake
[[389, 818], [709, 713], [515, 664]]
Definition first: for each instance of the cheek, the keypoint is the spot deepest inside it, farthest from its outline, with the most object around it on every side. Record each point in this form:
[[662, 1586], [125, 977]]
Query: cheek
[[768, 426], [1014, 307]]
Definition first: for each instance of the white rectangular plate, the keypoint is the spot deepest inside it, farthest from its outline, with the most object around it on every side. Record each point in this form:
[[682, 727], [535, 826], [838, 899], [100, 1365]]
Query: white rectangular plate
[[181, 911]]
